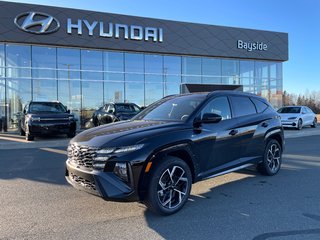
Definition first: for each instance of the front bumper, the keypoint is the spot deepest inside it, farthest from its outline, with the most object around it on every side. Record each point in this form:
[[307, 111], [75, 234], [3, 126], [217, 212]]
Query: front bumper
[[289, 123], [104, 184], [50, 128]]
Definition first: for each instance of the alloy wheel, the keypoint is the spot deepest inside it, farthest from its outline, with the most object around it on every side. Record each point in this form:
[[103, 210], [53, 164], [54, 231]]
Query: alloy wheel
[[172, 187], [273, 157]]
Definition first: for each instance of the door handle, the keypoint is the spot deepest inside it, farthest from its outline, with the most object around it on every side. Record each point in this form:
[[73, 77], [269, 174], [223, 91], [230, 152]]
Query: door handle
[[264, 124], [233, 132]]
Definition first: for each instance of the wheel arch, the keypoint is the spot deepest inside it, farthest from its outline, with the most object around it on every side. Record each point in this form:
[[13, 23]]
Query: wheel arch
[[180, 150]]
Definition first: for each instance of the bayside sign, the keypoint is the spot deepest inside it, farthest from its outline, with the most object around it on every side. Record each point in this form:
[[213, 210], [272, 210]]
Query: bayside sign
[[42, 23], [252, 46]]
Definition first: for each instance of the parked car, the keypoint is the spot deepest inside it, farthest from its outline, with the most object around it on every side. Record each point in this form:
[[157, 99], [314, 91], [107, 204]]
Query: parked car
[[113, 112], [297, 117], [46, 118], [179, 140]]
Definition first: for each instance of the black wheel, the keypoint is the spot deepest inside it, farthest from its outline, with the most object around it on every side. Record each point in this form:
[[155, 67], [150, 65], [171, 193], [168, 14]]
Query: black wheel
[[71, 134], [315, 123], [29, 137], [22, 133], [272, 159], [169, 186], [299, 126]]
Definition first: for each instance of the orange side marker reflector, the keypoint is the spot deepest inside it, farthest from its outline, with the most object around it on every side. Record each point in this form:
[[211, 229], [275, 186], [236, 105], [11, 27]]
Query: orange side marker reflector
[[148, 167]]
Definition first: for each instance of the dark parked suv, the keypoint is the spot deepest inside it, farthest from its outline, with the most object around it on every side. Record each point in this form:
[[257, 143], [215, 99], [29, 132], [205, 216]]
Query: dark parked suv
[[179, 140], [113, 112], [46, 118]]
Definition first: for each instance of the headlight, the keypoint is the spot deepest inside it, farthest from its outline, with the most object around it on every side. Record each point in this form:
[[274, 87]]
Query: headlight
[[103, 155], [292, 118], [71, 118]]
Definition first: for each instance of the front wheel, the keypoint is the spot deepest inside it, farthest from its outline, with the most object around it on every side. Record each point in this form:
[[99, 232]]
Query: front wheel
[[169, 186], [272, 158], [315, 123], [299, 126]]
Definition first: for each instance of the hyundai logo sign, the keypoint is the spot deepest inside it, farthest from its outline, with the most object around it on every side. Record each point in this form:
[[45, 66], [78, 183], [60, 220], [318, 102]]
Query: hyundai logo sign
[[37, 23]]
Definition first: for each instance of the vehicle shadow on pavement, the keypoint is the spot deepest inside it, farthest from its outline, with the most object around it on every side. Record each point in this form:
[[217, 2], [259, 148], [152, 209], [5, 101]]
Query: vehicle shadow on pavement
[[33, 164], [251, 207]]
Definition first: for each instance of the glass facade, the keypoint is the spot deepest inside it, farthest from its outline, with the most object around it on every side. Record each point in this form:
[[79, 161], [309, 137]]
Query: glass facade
[[84, 79]]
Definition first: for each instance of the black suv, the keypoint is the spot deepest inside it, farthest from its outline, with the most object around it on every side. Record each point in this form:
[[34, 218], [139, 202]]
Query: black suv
[[179, 140], [44, 118], [113, 112]]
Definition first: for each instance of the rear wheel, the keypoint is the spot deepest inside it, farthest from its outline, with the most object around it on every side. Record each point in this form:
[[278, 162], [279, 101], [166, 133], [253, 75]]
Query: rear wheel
[[169, 186], [299, 126], [272, 158], [29, 137], [22, 133], [315, 123]]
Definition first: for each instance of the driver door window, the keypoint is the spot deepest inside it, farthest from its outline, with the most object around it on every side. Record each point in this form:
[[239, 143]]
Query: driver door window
[[220, 106]]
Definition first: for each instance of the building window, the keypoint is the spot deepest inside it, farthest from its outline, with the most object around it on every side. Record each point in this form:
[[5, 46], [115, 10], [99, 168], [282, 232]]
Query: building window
[[230, 72], [191, 70], [211, 71], [134, 78], [114, 77]]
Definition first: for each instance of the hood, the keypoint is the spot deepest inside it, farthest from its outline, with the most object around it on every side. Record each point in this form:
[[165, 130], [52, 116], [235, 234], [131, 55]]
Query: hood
[[125, 133]]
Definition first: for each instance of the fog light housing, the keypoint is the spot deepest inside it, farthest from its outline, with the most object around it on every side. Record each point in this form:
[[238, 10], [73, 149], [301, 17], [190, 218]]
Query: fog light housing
[[121, 170]]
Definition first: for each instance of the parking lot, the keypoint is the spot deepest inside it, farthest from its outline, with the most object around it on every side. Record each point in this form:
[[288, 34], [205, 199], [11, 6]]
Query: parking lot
[[37, 203]]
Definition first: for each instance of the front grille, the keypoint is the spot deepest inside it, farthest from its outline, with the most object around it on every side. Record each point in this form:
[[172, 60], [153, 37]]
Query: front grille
[[81, 155], [83, 182]]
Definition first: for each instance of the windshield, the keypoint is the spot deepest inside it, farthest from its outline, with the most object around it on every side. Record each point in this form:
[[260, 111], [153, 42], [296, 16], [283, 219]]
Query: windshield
[[126, 108], [47, 107], [172, 109], [289, 110]]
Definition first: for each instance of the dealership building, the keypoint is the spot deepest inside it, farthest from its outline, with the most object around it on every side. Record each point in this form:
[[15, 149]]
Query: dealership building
[[85, 59]]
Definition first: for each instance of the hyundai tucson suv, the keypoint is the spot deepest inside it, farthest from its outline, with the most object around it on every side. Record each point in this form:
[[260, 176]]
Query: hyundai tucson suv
[[156, 156], [46, 118], [113, 112]]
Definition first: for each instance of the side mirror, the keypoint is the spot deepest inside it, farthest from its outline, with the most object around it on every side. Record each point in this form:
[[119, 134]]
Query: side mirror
[[211, 118], [68, 111]]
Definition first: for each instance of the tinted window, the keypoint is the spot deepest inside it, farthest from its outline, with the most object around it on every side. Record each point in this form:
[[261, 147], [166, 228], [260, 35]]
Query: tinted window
[[261, 106], [218, 106], [289, 110], [242, 106], [124, 108]]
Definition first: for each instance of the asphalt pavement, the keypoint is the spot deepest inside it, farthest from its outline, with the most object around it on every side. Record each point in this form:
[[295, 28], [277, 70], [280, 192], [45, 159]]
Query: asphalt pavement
[[37, 203]]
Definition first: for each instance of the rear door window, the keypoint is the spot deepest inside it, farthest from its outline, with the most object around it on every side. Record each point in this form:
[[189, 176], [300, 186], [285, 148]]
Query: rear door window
[[242, 106], [260, 106]]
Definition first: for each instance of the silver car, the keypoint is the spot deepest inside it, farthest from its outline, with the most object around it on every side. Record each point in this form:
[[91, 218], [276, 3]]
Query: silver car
[[297, 117]]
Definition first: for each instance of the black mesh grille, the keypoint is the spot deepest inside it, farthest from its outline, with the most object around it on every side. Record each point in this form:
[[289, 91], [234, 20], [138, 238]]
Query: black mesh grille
[[82, 182], [81, 155]]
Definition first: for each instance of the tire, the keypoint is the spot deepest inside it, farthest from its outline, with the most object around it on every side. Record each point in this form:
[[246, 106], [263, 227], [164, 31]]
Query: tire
[[29, 137], [299, 126], [22, 133], [272, 159], [167, 195], [315, 123], [71, 134]]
